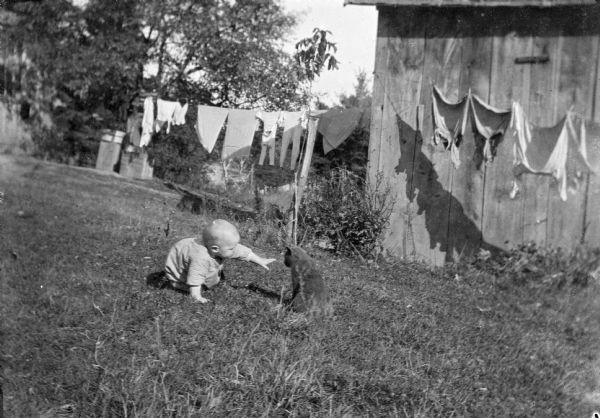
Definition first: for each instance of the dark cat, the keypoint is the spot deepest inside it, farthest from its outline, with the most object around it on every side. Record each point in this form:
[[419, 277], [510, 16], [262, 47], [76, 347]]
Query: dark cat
[[309, 293]]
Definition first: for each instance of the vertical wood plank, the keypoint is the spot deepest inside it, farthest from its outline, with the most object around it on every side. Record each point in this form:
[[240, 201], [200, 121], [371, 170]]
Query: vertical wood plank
[[575, 88], [541, 112], [467, 180], [378, 100], [592, 227], [432, 171], [503, 216], [405, 69]]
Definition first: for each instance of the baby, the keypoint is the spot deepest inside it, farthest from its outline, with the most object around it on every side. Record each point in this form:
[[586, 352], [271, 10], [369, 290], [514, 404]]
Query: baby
[[192, 263]]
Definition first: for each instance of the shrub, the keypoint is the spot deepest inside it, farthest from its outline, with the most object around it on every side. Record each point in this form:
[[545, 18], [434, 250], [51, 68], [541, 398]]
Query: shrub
[[178, 156], [346, 212], [542, 267]]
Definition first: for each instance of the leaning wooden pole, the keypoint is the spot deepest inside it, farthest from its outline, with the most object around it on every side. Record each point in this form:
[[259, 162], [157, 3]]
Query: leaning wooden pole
[[301, 179]]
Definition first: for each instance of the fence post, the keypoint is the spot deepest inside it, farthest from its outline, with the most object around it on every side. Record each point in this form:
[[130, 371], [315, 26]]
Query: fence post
[[300, 181]]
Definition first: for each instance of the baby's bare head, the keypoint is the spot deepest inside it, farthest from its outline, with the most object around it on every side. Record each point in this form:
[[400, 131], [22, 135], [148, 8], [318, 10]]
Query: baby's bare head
[[221, 237]]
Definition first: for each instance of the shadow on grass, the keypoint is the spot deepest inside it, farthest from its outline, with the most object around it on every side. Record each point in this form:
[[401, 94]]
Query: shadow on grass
[[159, 280], [266, 293]]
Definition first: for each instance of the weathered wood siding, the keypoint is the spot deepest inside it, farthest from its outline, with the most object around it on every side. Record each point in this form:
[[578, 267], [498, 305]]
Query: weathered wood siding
[[444, 212]]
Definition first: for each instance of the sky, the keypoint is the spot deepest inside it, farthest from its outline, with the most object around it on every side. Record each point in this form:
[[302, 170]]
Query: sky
[[354, 30]]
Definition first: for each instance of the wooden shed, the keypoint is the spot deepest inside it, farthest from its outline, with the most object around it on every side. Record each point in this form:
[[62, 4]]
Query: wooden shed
[[543, 54]]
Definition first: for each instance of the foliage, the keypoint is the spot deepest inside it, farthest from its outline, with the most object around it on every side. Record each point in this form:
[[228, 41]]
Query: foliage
[[352, 155], [178, 156], [361, 97], [98, 59], [347, 212], [224, 53], [91, 56], [83, 335], [543, 267], [315, 53]]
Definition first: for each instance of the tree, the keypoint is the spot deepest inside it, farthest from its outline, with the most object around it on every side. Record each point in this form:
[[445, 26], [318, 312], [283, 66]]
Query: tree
[[362, 95], [315, 53], [227, 53], [219, 52]]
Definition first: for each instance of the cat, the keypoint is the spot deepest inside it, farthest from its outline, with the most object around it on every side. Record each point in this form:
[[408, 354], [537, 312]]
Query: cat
[[309, 292]]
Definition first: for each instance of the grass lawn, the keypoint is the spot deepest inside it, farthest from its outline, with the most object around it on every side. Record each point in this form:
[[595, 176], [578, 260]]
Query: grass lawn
[[83, 335]]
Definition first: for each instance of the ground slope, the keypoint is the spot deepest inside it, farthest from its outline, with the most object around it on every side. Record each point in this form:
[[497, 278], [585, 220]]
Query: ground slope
[[83, 335]]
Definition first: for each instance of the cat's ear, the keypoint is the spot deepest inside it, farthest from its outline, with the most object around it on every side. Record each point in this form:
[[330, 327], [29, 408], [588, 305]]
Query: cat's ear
[[288, 251]]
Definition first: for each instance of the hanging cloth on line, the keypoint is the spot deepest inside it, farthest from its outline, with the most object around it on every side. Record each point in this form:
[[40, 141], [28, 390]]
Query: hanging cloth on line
[[449, 121], [336, 125], [173, 113], [147, 122], [559, 151], [179, 114], [209, 124], [490, 123], [292, 130], [165, 110], [271, 121], [298, 134], [578, 159], [297, 139], [241, 125]]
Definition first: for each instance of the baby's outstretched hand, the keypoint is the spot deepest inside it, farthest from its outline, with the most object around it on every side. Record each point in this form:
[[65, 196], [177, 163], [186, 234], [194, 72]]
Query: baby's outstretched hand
[[264, 262]]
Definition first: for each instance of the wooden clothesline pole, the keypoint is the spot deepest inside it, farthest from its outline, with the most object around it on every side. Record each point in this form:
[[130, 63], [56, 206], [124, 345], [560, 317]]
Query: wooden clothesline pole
[[301, 178]]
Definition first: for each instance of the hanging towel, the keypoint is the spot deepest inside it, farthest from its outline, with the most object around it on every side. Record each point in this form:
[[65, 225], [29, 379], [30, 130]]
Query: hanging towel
[[179, 114], [490, 123], [449, 122], [578, 158], [592, 146], [147, 122], [540, 150], [291, 124], [296, 139], [241, 125], [209, 124], [336, 125], [134, 128], [271, 121], [165, 111]]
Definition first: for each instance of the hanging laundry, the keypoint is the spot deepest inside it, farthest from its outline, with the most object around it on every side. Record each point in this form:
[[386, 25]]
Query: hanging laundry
[[209, 124], [449, 122], [179, 114], [592, 146], [134, 129], [241, 125], [147, 122], [297, 138], [165, 111], [490, 123], [578, 159], [271, 121], [336, 125], [292, 128], [559, 151]]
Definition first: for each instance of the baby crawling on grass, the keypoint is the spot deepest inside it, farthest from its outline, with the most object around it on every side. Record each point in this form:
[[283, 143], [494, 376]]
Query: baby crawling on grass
[[193, 262]]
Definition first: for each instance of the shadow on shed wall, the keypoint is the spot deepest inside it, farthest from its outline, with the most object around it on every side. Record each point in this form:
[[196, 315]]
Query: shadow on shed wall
[[459, 235]]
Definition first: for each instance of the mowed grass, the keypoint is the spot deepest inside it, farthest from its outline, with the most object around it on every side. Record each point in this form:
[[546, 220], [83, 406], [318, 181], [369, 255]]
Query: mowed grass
[[83, 335]]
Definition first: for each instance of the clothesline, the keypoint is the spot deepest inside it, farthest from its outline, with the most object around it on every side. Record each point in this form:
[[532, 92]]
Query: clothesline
[[559, 151], [336, 125]]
